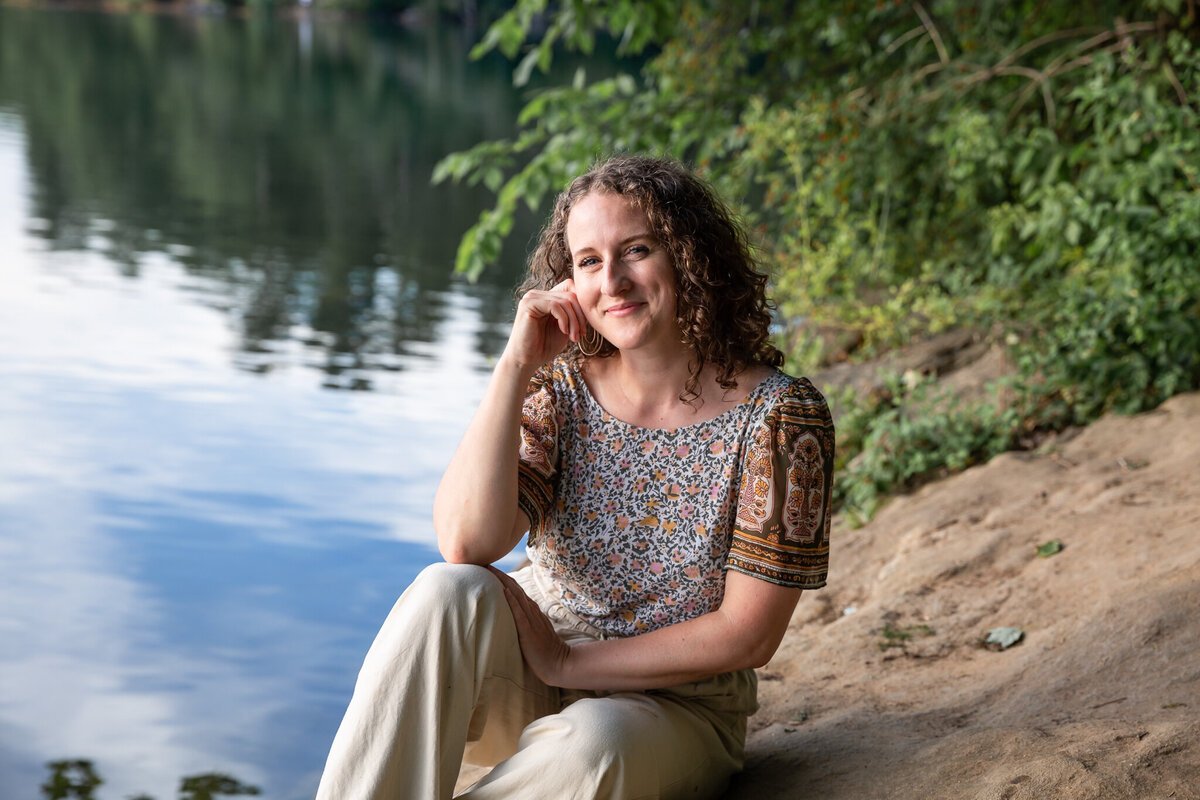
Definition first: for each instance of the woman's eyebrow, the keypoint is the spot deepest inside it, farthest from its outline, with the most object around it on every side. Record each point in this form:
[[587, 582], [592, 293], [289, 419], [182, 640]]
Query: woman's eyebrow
[[622, 243], [631, 238]]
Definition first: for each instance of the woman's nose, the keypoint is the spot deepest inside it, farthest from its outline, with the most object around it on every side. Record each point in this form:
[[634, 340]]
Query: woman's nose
[[616, 278]]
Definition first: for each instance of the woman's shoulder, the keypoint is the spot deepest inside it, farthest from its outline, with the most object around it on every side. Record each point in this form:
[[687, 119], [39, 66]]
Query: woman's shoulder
[[561, 378], [783, 394]]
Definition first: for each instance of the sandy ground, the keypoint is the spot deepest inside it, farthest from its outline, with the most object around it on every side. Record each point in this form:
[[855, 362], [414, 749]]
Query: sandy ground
[[1101, 698]]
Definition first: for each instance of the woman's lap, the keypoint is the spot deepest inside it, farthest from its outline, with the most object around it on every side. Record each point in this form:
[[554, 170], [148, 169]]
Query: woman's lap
[[627, 745], [684, 741], [451, 639]]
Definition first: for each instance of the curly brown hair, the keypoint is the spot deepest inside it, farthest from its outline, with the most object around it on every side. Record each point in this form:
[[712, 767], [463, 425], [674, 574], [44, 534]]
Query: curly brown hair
[[721, 302]]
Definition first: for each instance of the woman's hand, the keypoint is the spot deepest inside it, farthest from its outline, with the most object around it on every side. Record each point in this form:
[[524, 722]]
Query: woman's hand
[[544, 651], [545, 322]]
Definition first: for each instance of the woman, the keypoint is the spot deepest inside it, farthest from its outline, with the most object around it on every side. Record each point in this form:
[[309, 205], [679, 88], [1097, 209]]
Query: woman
[[675, 486]]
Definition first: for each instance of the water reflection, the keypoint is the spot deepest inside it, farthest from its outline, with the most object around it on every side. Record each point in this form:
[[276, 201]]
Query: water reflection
[[193, 560], [202, 222], [293, 169], [78, 778]]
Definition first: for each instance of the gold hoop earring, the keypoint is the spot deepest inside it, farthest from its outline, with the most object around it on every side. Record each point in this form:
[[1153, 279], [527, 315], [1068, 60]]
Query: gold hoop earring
[[594, 350]]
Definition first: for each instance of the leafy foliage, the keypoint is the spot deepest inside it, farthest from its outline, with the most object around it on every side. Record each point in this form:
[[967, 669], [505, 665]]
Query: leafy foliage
[[909, 167], [912, 433], [892, 636]]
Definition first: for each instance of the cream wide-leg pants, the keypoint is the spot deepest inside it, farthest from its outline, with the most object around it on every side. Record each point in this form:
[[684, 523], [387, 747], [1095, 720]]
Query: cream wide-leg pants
[[445, 671]]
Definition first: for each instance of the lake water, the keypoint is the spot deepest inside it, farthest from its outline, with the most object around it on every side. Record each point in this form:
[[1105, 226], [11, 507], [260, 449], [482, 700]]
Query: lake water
[[233, 363]]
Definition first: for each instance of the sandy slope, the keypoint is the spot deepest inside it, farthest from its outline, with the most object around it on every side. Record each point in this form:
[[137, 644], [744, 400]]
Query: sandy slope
[[1102, 697]]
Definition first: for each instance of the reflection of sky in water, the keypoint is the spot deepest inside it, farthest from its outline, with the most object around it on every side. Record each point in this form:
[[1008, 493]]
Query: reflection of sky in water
[[193, 558]]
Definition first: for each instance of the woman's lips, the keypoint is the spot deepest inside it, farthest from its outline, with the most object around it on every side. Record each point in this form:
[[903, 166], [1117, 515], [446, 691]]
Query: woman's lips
[[623, 309]]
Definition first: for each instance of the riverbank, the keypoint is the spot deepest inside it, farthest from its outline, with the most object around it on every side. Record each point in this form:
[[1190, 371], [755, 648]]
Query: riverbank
[[884, 687]]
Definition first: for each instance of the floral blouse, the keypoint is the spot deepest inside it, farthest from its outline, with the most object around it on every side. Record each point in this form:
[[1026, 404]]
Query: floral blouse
[[635, 527]]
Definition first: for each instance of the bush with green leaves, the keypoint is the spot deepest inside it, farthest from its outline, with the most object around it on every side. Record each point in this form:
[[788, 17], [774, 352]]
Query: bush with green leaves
[[910, 433], [906, 168]]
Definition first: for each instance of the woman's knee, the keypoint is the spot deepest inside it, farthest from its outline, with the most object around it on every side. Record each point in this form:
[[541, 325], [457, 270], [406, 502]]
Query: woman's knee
[[634, 745], [444, 593], [599, 734], [446, 579], [446, 587], [443, 600]]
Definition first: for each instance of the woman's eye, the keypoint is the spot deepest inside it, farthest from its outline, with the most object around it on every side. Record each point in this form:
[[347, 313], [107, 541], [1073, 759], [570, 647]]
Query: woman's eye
[[590, 261], [638, 250]]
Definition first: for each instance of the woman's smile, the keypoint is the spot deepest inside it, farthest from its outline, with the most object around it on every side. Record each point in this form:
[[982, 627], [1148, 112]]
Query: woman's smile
[[623, 276], [623, 309]]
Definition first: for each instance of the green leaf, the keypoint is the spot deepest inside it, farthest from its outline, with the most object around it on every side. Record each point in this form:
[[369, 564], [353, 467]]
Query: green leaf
[[525, 68], [1073, 232], [1048, 549], [446, 168], [493, 178], [512, 36]]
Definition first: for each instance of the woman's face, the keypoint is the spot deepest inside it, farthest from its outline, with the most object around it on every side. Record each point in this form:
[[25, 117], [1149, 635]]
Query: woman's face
[[624, 279]]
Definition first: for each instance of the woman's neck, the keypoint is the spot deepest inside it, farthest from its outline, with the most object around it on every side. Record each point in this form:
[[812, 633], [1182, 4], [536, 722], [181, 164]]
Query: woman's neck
[[644, 390]]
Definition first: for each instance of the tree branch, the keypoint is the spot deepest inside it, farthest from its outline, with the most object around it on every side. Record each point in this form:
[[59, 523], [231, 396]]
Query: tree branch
[[896, 45], [1041, 40], [1174, 79], [933, 32]]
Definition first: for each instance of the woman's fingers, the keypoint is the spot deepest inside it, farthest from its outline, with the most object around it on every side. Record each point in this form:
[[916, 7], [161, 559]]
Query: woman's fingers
[[572, 314], [517, 603], [561, 305], [543, 649], [576, 309], [567, 289], [521, 603], [566, 321], [545, 322], [506, 580]]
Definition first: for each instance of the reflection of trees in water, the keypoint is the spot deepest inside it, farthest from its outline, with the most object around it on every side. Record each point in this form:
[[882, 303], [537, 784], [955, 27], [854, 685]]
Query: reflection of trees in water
[[71, 778], [78, 778], [292, 170]]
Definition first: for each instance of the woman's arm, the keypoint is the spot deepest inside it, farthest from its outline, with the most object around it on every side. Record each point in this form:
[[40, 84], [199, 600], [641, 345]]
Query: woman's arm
[[475, 509], [743, 632]]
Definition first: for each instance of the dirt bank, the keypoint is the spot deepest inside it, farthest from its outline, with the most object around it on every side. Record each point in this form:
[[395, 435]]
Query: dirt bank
[[883, 688]]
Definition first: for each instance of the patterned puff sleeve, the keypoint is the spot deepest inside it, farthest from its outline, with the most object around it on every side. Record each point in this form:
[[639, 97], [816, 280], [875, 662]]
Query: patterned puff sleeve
[[781, 532], [538, 452]]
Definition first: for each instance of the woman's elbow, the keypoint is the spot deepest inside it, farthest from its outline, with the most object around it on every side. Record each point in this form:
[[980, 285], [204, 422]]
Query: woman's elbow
[[454, 553], [760, 656], [455, 545], [454, 532], [466, 542], [757, 651]]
